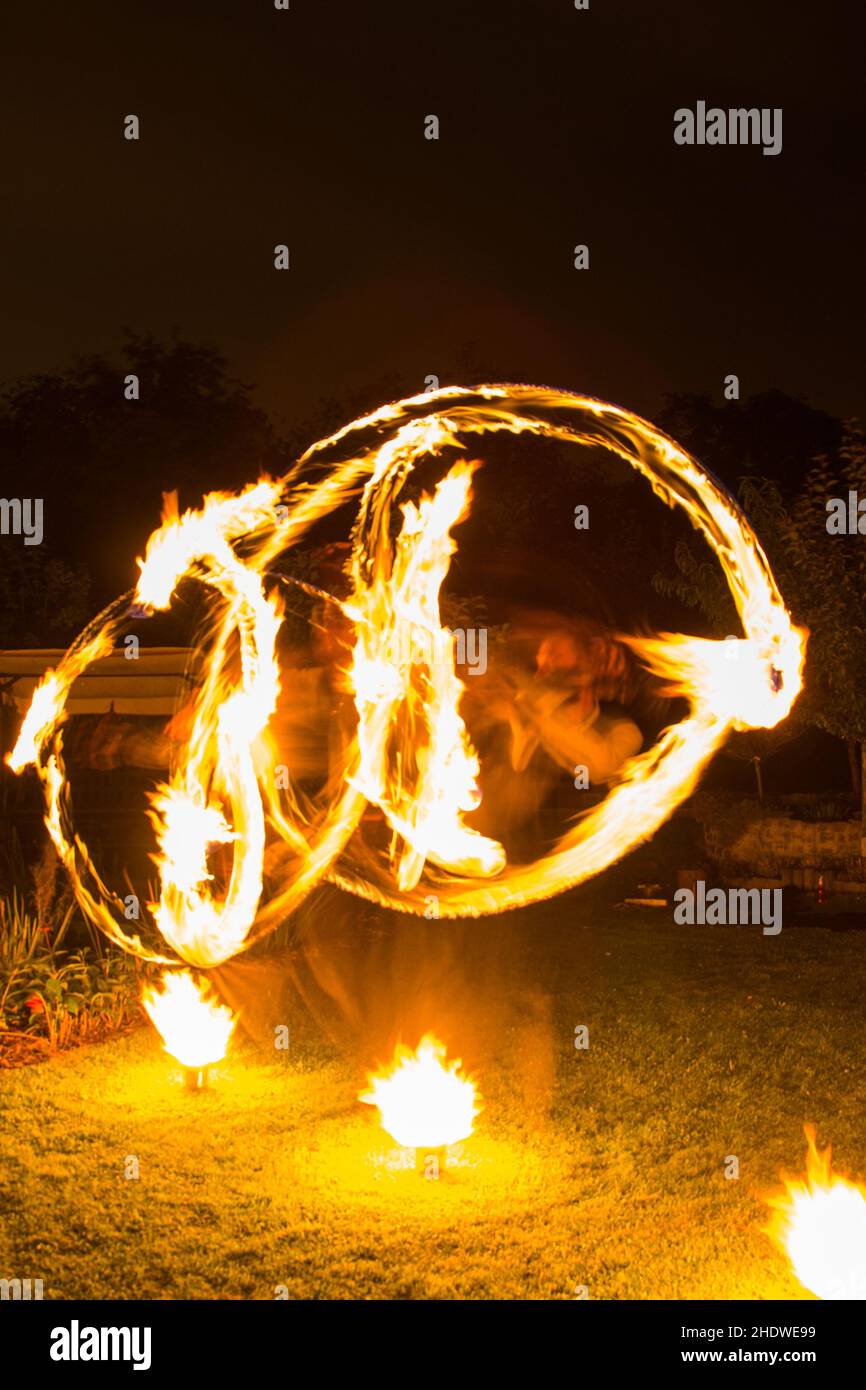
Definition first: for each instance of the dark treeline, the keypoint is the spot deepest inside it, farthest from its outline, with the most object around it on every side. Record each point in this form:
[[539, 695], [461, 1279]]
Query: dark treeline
[[101, 461]]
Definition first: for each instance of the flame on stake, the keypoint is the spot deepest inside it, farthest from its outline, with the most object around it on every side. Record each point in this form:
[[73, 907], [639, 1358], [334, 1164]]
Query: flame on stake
[[423, 1101], [820, 1224], [194, 1029]]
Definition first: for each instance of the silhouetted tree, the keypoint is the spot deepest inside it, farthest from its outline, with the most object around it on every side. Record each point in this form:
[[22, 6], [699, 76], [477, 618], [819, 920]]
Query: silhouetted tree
[[44, 602], [769, 435], [101, 461]]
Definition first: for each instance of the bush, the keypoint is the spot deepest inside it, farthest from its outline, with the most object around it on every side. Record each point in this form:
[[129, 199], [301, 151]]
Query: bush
[[64, 996]]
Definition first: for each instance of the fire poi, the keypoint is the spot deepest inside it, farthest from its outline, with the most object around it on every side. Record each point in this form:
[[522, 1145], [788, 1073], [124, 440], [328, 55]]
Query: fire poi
[[424, 1102], [411, 755], [820, 1223]]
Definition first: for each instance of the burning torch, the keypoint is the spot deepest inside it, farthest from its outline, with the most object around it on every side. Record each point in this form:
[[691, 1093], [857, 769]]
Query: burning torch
[[424, 1103], [195, 1028]]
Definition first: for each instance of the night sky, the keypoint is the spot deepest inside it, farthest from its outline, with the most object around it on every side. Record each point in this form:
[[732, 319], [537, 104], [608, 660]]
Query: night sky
[[455, 257]]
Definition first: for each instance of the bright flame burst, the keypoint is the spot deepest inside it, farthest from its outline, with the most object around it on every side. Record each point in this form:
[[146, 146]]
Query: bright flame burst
[[195, 1029], [423, 1102], [398, 683], [412, 755], [820, 1223]]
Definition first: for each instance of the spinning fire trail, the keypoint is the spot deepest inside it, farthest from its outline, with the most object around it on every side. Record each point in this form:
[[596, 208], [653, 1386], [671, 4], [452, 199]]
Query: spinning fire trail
[[411, 755]]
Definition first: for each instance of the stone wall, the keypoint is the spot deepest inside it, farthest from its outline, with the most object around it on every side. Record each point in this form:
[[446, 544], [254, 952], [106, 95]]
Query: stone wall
[[794, 851]]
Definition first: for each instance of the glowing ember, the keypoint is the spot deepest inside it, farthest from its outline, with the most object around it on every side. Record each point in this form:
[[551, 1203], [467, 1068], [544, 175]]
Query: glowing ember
[[423, 1102], [820, 1223], [194, 1029]]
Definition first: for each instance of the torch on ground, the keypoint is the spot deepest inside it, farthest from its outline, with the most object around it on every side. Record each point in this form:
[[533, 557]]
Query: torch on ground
[[424, 1103], [195, 1028], [820, 1223], [196, 1078]]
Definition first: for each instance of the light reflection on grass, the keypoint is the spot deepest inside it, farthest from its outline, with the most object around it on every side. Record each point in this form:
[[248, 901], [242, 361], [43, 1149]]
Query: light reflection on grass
[[277, 1175]]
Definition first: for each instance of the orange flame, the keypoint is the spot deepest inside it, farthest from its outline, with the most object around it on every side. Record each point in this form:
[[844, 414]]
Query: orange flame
[[820, 1223], [416, 760], [422, 1101], [194, 1029]]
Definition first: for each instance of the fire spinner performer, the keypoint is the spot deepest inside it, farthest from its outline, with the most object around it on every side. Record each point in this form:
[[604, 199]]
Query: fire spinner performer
[[411, 758]]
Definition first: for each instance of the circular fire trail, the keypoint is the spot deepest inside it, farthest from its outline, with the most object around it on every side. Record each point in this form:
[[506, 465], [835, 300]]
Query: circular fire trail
[[410, 756]]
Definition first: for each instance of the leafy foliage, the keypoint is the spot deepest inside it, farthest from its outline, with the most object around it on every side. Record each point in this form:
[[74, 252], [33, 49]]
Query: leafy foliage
[[63, 996], [43, 600]]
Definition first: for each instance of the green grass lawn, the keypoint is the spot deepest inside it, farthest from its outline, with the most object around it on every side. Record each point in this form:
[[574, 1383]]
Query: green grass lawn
[[602, 1168]]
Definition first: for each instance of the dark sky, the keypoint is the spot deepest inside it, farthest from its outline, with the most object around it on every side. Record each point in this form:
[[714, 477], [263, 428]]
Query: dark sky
[[409, 256]]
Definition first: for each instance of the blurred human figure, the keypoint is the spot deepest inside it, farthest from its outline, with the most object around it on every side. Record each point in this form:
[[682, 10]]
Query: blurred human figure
[[553, 704], [560, 708]]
